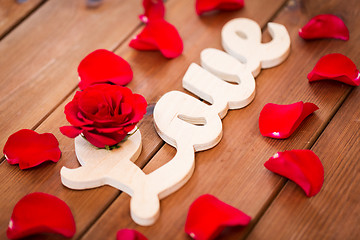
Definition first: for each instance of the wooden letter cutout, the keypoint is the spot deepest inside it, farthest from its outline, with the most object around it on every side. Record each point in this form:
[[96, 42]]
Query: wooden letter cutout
[[183, 121], [241, 38]]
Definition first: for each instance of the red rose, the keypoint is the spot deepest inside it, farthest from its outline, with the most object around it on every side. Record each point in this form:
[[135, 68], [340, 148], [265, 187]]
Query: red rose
[[104, 114]]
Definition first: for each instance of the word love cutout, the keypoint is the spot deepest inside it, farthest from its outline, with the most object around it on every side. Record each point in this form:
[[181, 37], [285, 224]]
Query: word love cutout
[[186, 123]]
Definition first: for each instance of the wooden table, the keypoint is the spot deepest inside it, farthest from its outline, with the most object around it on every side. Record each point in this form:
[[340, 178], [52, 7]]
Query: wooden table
[[42, 43]]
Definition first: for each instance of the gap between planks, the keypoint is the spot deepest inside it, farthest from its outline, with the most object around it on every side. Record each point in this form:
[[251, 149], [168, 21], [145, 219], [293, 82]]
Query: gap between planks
[[276, 13], [22, 19]]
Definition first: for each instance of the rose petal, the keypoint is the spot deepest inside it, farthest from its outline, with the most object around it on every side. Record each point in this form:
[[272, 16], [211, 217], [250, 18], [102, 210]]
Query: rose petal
[[103, 66], [72, 112], [154, 9], [129, 234], [280, 121], [325, 26], [29, 149], [41, 213], [203, 6], [301, 166], [112, 130], [70, 131], [101, 140], [208, 216], [159, 35], [141, 104], [337, 67]]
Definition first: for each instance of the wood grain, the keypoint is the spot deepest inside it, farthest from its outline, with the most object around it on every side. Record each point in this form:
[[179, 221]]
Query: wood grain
[[334, 213], [11, 13], [43, 52], [233, 171], [87, 206], [42, 55]]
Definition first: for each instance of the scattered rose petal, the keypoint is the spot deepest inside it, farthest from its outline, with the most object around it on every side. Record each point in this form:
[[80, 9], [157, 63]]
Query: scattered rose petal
[[29, 149], [154, 9], [203, 6], [159, 35], [208, 216], [103, 66], [337, 67], [325, 26], [40, 213], [280, 121], [129, 234], [301, 166]]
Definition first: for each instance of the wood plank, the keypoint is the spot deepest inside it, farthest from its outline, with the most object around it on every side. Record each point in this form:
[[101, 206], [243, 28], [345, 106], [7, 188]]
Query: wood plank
[[85, 205], [11, 13], [334, 213], [42, 55], [233, 171]]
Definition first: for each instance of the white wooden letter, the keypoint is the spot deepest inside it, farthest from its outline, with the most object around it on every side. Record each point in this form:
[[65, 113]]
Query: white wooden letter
[[241, 38], [221, 94]]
